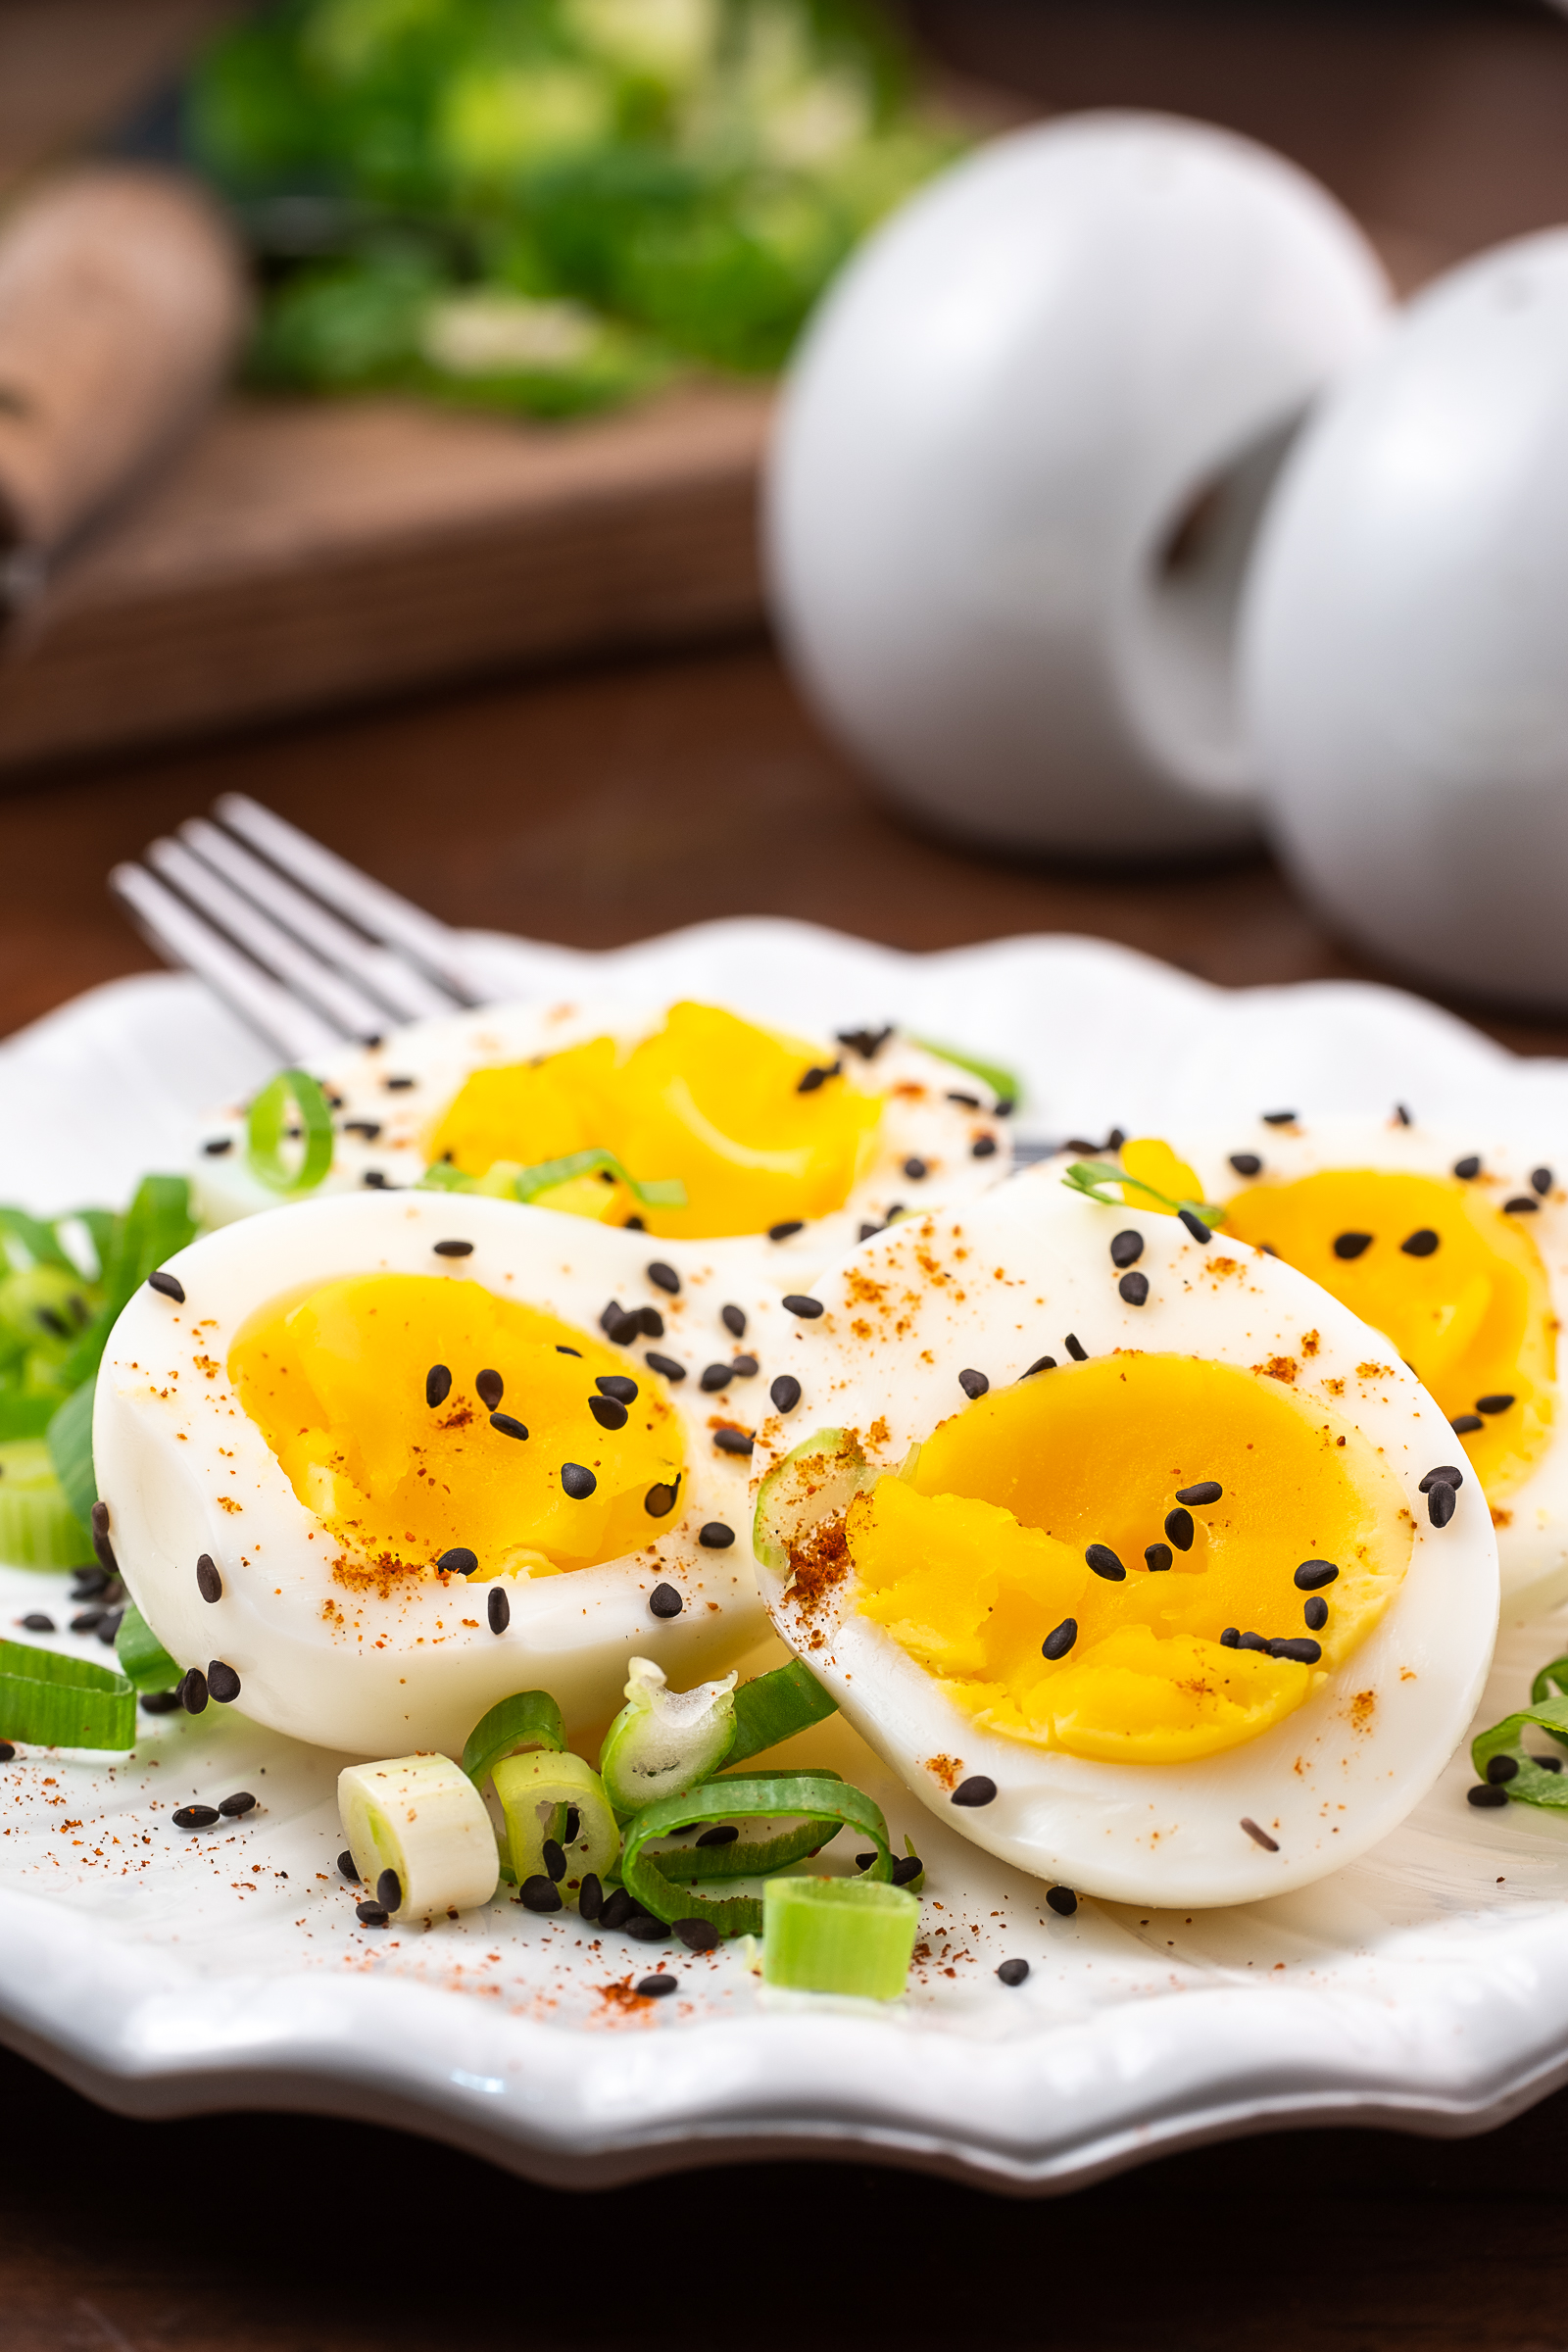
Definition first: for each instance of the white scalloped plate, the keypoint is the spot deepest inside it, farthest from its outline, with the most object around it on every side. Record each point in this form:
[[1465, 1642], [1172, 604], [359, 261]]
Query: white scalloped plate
[[1425, 1986]]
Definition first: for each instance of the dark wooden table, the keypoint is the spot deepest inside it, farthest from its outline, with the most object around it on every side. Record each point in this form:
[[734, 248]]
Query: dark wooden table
[[596, 808]]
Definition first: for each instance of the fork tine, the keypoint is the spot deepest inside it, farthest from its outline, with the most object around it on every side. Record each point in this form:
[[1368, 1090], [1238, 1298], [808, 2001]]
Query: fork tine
[[342, 886], [182, 938], [406, 994]]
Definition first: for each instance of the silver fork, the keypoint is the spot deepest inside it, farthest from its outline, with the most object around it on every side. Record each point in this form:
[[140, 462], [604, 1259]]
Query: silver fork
[[301, 944]]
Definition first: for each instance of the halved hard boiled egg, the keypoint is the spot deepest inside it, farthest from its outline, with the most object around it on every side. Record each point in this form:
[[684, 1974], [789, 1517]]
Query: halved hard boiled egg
[[1137, 1557], [1455, 1248], [376, 1461], [733, 1129]]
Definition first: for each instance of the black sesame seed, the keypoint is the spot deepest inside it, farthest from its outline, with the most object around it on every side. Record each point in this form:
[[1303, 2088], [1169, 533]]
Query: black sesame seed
[[1523, 1204], [86, 1620], [370, 1129], [459, 1561], [784, 1392], [1247, 1163], [1061, 1639], [1158, 1556], [160, 1702], [867, 1043], [1179, 1528], [745, 1367], [606, 1412], [398, 1086], [1464, 1425], [724, 1834], [634, 1225], [914, 1169], [194, 1817], [1483, 1793], [1541, 1181], [715, 1536], [868, 1227], [506, 1425], [1548, 1763], [498, 1609], [1014, 1972], [983, 1147], [697, 1935], [590, 1895], [616, 1907], [973, 1384], [209, 1582], [1314, 1575], [905, 1869], [650, 1322], [1295, 1647], [733, 1441], [733, 1319], [109, 1625], [369, 1915], [1076, 1348], [389, 1890], [36, 1622], [559, 1351], [539, 1893], [375, 1179], [1352, 1245], [1446, 1475], [168, 1286], [664, 1602], [1004, 1106], [193, 1690], [1498, 1404], [648, 1929], [1251, 1641], [1062, 1900], [964, 1101], [1421, 1243], [1195, 1226], [577, 1481], [490, 1388], [1468, 1168], [1230, 1638], [799, 1304], [665, 1366], [1442, 1503], [554, 1860], [618, 1325], [865, 1861], [1042, 1363], [1103, 1561], [1500, 1769], [219, 1146], [616, 1384], [714, 1377], [1401, 1115], [661, 1497], [345, 1863], [1206, 1491], [1270, 1845], [1279, 1118], [663, 1277], [783, 1230], [1316, 1613], [8, 1754], [1126, 1249], [654, 1988], [437, 1385], [453, 1248], [978, 1790], [222, 1682], [1134, 1289]]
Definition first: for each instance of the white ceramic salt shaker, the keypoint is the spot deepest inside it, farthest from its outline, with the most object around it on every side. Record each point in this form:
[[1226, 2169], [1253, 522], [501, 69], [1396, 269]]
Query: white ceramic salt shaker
[[1406, 636], [1019, 465]]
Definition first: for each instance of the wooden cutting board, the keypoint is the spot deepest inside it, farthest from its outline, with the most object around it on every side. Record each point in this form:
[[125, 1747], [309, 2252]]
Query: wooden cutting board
[[303, 553]]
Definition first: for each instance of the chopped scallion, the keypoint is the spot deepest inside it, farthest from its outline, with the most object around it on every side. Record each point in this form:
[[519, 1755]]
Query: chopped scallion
[[663, 1882], [422, 1818], [844, 1936], [38, 1529], [1092, 1176], [142, 1656], [263, 1133], [48, 1699], [566, 1784], [1531, 1783], [663, 1739], [527, 1719], [1001, 1082]]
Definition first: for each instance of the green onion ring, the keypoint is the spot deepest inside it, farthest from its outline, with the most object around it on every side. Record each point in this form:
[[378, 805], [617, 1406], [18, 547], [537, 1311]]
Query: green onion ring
[[826, 1802], [48, 1699], [527, 1719], [1533, 1784], [264, 1132]]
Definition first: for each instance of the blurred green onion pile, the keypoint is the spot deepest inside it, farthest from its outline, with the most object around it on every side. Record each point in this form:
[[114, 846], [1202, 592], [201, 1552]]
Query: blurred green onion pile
[[551, 205]]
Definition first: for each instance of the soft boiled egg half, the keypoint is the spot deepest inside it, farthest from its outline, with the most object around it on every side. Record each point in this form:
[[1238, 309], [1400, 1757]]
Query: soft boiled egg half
[[376, 1457], [736, 1130], [1136, 1554], [1455, 1248]]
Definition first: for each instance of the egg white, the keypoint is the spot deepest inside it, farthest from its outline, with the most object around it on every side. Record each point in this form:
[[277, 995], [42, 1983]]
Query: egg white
[[994, 1288], [432, 1059], [1533, 1541], [185, 1471]]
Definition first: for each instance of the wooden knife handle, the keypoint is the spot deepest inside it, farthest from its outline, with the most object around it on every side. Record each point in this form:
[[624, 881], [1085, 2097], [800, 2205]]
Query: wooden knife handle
[[122, 299]]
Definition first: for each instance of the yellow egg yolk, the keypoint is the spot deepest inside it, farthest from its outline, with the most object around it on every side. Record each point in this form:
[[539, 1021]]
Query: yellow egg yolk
[[978, 1559], [1457, 1286], [758, 1129], [417, 1415]]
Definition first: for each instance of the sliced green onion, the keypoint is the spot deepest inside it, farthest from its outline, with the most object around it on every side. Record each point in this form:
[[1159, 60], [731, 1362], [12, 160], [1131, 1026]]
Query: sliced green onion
[[157, 1224], [142, 1656], [69, 1436], [664, 1740], [39, 1244], [442, 1177], [1091, 1176], [525, 1784], [421, 1819], [775, 1706], [546, 1174], [528, 1719], [663, 1884], [838, 1936], [38, 1529], [1001, 1081], [50, 1700], [263, 1133], [1533, 1784], [817, 1481]]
